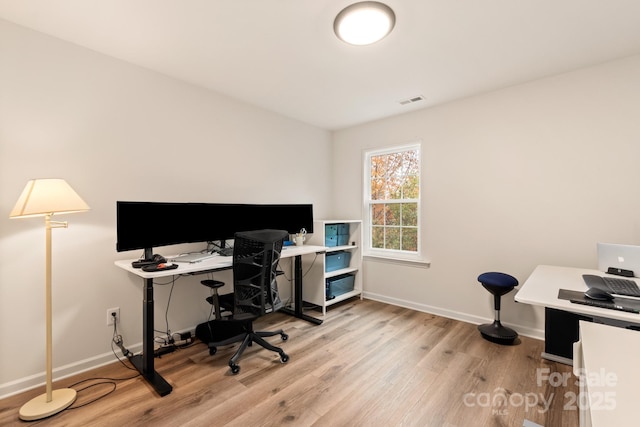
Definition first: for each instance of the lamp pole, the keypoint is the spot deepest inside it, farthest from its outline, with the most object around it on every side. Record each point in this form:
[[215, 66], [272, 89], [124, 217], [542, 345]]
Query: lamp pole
[[48, 315], [52, 401]]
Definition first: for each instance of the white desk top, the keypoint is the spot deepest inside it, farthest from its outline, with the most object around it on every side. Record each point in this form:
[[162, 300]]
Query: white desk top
[[541, 288], [610, 365], [216, 262]]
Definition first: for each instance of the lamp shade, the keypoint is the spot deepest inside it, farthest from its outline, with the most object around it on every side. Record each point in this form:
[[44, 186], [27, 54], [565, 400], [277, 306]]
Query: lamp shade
[[47, 196]]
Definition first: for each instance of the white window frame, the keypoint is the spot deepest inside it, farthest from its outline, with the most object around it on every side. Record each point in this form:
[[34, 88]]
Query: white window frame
[[390, 254]]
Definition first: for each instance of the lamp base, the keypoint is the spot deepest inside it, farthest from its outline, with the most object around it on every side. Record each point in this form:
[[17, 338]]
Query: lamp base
[[38, 407]]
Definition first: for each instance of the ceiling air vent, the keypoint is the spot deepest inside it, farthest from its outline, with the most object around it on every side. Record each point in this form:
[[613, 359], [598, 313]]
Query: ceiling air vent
[[412, 100]]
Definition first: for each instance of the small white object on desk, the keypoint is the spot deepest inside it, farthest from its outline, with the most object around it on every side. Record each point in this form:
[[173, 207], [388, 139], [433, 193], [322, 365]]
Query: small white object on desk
[[300, 237]]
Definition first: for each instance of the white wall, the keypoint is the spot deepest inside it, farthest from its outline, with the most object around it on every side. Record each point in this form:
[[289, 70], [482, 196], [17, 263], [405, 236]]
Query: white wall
[[532, 174], [119, 132]]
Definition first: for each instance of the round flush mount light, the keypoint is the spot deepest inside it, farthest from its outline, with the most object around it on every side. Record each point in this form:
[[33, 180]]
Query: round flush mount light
[[364, 23]]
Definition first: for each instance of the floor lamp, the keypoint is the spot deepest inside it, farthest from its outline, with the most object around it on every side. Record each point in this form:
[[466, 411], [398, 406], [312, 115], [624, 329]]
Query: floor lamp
[[46, 197]]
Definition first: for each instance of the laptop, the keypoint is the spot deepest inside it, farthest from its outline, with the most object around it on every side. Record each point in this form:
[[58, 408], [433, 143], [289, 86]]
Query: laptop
[[624, 257], [193, 257]]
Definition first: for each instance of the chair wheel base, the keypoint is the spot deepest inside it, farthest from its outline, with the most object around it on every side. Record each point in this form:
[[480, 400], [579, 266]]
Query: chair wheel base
[[497, 333]]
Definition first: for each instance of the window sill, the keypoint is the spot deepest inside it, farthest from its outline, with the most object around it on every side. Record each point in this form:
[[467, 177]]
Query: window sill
[[420, 263]]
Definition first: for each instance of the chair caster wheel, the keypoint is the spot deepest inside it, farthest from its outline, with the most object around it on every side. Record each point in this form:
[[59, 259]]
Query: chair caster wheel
[[234, 368], [212, 351], [284, 337], [284, 358]]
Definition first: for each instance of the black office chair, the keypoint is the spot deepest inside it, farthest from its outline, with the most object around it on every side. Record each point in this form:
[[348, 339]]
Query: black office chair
[[255, 292]]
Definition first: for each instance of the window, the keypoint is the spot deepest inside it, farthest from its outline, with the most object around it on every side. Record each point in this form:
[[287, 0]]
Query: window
[[392, 202]]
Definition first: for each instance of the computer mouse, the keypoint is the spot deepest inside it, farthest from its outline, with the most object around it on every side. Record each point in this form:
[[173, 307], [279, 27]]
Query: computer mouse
[[158, 259], [598, 294]]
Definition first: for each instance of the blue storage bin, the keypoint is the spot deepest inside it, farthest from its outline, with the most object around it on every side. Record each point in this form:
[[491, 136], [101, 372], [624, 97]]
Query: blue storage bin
[[337, 260], [330, 229], [336, 234], [343, 229], [339, 285]]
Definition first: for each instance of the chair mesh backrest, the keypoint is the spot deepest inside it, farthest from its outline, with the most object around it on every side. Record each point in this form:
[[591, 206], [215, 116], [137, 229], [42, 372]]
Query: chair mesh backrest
[[255, 258]]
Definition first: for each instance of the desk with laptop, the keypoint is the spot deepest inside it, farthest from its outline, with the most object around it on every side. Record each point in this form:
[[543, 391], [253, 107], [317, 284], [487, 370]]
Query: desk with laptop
[[562, 292]]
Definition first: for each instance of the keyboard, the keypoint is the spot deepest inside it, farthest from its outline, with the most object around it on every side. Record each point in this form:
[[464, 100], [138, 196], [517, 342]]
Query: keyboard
[[614, 285], [605, 304], [622, 286]]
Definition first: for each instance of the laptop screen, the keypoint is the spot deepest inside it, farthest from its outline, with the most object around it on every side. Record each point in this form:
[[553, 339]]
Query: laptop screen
[[625, 257]]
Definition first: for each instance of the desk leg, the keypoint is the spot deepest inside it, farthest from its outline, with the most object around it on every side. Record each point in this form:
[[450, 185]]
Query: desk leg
[[561, 330], [298, 294], [144, 362]]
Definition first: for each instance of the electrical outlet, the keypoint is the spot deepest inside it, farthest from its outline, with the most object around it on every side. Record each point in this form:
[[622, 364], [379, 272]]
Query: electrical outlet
[[110, 316]]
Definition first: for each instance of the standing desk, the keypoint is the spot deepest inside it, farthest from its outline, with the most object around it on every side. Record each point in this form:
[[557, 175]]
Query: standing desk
[[562, 316], [144, 362]]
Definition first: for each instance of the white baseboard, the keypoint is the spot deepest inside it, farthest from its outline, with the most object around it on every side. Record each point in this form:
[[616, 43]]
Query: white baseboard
[[456, 315], [39, 379]]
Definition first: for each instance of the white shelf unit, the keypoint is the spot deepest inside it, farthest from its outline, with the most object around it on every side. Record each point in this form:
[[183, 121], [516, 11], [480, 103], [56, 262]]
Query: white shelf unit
[[315, 294]]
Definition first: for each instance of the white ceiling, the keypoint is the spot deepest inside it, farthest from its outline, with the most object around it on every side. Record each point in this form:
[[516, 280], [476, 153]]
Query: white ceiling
[[282, 54]]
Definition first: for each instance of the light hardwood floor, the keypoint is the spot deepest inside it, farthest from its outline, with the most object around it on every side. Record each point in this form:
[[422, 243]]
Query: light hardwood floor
[[368, 364]]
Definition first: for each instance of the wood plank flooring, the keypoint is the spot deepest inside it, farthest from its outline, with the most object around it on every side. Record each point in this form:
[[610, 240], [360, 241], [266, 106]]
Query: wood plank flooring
[[368, 364]]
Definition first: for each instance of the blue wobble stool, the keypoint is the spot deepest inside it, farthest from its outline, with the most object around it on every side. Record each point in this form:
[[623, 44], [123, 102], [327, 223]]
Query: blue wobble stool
[[498, 284]]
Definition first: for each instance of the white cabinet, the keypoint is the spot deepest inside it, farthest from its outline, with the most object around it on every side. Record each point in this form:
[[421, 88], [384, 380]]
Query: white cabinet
[[348, 243]]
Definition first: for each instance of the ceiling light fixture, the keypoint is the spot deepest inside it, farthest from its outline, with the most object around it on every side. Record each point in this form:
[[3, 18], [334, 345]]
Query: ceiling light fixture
[[364, 23]]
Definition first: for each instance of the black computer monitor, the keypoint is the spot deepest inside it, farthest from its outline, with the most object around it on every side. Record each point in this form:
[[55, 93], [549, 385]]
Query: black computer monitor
[[146, 225]]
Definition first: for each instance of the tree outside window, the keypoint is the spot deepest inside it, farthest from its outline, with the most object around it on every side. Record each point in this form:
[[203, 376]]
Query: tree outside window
[[393, 199]]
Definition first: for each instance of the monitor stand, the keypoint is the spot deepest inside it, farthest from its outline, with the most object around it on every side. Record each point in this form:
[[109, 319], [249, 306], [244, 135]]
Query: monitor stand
[[146, 260], [224, 249]]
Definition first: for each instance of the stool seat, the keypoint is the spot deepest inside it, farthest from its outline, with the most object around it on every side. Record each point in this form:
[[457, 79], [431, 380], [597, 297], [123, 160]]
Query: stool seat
[[498, 279], [498, 284]]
